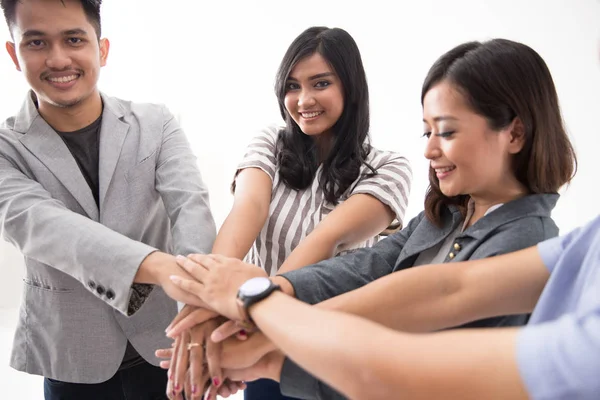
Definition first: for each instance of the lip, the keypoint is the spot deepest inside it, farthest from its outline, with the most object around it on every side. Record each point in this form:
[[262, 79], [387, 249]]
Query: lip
[[62, 85], [443, 174], [320, 113]]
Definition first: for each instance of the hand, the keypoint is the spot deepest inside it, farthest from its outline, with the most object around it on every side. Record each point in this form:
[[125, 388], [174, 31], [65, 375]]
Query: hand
[[269, 366], [217, 280], [157, 268], [236, 354], [188, 317]]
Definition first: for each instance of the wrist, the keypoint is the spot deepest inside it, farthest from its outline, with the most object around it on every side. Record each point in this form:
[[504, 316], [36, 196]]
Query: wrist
[[275, 365], [286, 286], [148, 271]]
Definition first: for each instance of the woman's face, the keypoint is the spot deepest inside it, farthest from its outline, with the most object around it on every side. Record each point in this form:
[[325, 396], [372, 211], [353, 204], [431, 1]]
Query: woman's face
[[469, 158], [314, 96]]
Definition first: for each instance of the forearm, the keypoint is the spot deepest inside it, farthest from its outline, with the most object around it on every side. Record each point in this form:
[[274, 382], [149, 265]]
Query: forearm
[[239, 231], [363, 360], [310, 251], [433, 297]]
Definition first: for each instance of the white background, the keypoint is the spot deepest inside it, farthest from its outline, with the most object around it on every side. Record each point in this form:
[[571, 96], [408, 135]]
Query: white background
[[214, 63]]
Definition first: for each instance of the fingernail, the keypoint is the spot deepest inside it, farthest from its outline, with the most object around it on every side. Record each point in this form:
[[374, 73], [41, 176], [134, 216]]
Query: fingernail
[[176, 387], [216, 381], [194, 388], [170, 377], [174, 278], [243, 333]]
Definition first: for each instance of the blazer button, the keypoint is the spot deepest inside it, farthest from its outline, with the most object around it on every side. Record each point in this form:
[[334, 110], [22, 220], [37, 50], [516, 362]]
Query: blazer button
[[110, 294], [457, 247], [451, 255], [92, 284], [100, 290]]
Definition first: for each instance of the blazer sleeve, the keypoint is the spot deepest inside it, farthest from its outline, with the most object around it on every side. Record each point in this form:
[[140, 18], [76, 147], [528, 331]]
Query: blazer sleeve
[[183, 192], [329, 278], [44, 230]]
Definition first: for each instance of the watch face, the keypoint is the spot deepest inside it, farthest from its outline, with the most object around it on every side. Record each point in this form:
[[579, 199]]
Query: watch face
[[255, 286]]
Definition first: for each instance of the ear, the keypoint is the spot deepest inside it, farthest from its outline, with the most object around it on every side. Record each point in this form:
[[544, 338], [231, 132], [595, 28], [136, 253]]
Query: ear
[[104, 47], [517, 136], [12, 52]]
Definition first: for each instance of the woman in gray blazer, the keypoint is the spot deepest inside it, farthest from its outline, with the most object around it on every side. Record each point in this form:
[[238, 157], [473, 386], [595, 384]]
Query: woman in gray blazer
[[498, 155]]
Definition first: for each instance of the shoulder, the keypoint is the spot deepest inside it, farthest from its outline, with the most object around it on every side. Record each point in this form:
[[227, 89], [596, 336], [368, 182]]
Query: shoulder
[[268, 134], [139, 112], [382, 158]]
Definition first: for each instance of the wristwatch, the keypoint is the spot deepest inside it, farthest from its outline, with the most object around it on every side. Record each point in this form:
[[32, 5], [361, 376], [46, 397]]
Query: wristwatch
[[251, 292]]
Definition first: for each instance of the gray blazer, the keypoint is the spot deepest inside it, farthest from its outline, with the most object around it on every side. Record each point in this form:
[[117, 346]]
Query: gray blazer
[[81, 259], [514, 226]]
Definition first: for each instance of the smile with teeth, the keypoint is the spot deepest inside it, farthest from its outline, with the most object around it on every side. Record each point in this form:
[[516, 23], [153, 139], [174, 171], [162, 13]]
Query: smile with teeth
[[444, 170], [311, 114], [63, 79]]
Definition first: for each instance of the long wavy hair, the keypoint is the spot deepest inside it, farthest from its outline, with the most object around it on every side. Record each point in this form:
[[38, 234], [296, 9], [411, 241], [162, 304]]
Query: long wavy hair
[[502, 80], [297, 153]]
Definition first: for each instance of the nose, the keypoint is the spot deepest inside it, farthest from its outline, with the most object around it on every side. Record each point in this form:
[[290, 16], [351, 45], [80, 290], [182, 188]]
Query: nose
[[432, 148], [58, 58], [306, 99]]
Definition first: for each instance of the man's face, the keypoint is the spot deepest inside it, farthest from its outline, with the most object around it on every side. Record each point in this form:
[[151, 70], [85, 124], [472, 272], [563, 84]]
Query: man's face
[[57, 49]]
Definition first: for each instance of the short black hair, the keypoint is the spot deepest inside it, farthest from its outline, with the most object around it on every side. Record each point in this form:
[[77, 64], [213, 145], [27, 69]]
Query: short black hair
[[90, 7]]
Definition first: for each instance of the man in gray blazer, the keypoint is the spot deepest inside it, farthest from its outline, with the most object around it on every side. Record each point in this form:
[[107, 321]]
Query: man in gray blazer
[[97, 193]]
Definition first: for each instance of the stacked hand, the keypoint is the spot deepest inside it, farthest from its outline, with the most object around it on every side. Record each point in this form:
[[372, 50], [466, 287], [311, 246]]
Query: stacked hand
[[211, 351]]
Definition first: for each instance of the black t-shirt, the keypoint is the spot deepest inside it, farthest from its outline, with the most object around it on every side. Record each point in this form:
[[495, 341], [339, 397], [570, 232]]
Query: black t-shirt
[[84, 145]]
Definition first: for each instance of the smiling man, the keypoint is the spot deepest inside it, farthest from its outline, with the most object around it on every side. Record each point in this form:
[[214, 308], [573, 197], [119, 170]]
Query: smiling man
[[97, 193]]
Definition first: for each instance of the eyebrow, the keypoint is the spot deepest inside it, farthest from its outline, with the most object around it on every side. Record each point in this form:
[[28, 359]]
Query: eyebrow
[[75, 31], [443, 118], [312, 78]]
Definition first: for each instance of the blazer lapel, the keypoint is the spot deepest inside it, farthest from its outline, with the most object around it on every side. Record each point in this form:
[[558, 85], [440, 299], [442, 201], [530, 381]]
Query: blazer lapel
[[112, 136], [43, 142]]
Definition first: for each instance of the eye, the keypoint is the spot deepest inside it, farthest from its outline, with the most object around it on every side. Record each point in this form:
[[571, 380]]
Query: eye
[[426, 135], [35, 43], [322, 84], [74, 40], [291, 86], [446, 134]]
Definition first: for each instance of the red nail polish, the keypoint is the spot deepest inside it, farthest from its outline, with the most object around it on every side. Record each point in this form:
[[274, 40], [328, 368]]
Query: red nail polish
[[194, 389], [243, 332], [176, 388], [216, 381]]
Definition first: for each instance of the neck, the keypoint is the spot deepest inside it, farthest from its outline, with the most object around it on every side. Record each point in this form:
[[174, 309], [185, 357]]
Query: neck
[[72, 118], [506, 193]]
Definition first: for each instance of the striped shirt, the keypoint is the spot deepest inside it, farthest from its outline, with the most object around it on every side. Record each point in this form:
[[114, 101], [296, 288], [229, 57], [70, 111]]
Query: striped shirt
[[293, 214]]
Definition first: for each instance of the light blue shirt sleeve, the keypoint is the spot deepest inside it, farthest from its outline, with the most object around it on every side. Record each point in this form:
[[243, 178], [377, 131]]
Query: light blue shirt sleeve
[[560, 359], [551, 249]]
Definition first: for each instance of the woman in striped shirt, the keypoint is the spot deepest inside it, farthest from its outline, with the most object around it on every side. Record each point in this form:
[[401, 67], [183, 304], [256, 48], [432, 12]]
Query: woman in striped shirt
[[314, 188]]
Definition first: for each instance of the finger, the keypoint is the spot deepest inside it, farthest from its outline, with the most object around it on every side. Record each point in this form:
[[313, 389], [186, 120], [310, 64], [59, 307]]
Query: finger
[[224, 331], [206, 261], [171, 372], [165, 364], [198, 372], [219, 258], [193, 287], [185, 311], [224, 391], [234, 386], [213, 358], [187, 386], [164, 353], [181, 366], [198, 316], [196, 269]]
